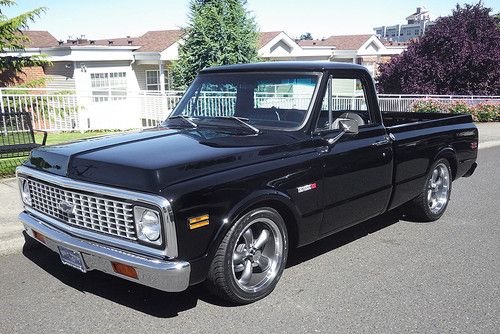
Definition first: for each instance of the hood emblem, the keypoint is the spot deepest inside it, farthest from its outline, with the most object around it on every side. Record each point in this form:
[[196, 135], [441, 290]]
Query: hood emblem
[[66, 207]]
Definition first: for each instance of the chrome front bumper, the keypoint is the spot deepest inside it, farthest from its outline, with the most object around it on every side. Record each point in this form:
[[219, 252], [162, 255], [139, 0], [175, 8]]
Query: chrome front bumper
[[163, 275]]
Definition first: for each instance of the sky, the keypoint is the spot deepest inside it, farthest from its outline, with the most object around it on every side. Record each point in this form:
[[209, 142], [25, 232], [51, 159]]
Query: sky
[[97, 19]]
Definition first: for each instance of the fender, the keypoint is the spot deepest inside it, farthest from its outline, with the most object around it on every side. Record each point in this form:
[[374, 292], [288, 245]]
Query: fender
[[259, 196], [199, 266], [449, 153]]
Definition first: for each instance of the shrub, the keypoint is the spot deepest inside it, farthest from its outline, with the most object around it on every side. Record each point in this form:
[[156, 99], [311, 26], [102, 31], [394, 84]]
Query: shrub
[[487, 112], [482, 112], [427, 106], [459, 107]]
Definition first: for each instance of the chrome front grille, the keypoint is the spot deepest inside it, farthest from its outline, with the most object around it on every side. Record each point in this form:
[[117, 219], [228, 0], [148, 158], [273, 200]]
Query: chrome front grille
[[75, 208]]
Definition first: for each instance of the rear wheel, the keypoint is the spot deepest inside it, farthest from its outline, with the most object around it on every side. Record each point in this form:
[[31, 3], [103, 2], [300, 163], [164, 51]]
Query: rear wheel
[[251, 258], [431, 204]]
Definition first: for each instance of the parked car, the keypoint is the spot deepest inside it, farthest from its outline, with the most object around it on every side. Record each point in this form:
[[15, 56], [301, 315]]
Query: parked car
[[255, 160]]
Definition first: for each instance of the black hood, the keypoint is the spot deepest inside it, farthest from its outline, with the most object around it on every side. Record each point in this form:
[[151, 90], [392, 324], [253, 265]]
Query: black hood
[[154, 159]]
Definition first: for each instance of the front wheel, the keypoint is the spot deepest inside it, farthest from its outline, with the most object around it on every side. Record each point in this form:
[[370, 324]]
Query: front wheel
[[251, 258], [431, 204]]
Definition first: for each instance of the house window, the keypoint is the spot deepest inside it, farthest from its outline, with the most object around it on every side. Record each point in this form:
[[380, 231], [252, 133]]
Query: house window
[[153, 80], [108, 86]]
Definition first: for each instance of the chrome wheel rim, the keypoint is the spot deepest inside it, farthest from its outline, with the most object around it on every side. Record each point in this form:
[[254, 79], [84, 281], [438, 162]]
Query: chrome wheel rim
[[438, 188], [257, 255]]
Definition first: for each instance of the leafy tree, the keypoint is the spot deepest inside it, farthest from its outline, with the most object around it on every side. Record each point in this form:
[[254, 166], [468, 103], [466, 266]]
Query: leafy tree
[[306, 36], [11, 38], [219, 32], [459, 55]]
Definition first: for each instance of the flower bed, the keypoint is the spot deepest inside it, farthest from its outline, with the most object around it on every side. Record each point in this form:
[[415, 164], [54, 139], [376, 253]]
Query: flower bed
[[481, 112]]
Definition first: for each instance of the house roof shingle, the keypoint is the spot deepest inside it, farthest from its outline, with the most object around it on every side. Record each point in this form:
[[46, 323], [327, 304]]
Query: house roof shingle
[[341, 42], [266, 37], [157, 41], [151, 41], [39, 39]]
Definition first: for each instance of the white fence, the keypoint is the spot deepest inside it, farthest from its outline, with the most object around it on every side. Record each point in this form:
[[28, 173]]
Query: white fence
[[72, 111], [403, 103]]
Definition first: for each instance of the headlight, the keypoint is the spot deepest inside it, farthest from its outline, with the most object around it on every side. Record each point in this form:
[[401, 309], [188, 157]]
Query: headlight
[[25, 191], [148, 225]]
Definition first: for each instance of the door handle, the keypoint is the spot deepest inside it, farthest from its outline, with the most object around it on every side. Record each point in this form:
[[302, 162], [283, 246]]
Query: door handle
[[381, 142]]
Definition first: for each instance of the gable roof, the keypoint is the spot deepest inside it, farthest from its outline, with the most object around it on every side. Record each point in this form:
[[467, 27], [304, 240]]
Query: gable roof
[[157, 41], [39, 39], [266, 37], [341, 42]]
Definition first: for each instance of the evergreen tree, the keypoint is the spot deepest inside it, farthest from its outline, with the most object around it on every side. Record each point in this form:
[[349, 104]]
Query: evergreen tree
[[11, 38], [219, 32], [306, 36]]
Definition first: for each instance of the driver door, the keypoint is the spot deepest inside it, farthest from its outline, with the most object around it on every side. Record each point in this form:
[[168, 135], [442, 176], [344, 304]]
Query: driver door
[[357, 180]]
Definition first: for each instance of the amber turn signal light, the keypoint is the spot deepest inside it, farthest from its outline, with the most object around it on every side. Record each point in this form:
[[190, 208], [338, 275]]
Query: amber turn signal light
[[124, 269], [197, 222], [40, 237]]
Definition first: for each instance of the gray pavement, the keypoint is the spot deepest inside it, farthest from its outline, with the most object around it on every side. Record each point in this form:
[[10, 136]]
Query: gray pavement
[[489, 134], [385, 275]]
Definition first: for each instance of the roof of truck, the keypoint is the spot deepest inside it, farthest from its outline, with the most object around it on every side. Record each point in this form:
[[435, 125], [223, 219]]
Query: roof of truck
[[284, 66]]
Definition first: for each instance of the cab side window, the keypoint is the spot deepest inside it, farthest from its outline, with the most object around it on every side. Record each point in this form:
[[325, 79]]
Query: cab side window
[[344, 98]]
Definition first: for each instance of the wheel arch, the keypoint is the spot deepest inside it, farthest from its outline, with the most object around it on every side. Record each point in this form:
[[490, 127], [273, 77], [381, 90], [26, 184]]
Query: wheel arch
[[449, 154], [274, 199]]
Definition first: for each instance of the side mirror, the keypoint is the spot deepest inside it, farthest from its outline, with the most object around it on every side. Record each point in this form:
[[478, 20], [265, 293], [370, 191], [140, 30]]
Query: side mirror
[[349, 126]]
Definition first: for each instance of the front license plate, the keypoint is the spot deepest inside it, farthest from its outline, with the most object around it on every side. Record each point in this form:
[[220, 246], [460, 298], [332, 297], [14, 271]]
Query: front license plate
[[71, 258]]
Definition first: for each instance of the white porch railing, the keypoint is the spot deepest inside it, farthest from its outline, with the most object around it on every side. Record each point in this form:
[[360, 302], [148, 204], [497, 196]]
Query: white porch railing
[[56, 110]]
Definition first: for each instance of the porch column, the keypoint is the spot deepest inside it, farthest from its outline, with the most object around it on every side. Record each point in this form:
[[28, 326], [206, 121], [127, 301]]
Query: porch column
[[162, 76]]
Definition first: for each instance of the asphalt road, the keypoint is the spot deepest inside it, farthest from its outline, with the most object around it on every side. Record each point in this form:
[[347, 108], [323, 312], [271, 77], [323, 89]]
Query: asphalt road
[[385, 275]]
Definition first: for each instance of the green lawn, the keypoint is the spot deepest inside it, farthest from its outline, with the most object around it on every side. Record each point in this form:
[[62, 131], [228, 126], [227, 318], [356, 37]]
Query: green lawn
[[8, 165]]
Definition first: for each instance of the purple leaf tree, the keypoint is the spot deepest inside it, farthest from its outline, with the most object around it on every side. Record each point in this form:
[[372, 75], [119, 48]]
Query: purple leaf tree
[[460, 55]]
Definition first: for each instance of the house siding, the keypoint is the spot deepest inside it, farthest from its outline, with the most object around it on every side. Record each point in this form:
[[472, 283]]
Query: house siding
[[140, 73], [85, 68], [60, 75]]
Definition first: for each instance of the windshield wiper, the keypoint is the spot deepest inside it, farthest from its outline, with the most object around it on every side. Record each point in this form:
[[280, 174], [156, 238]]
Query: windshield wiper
[[184, 118], [240, 120]]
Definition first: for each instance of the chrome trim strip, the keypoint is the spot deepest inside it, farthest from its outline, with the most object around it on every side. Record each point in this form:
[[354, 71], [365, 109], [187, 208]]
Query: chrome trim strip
[[162, 275], [169, 231]]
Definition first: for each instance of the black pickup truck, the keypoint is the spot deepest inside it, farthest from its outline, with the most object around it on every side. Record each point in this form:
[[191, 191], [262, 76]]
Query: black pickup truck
[[255, 159]]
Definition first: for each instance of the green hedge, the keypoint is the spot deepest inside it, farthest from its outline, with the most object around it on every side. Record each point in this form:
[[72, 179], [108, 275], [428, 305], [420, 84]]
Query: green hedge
[[481, 112]]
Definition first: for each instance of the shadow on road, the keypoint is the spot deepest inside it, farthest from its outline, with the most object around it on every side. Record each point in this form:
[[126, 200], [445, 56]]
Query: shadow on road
[[166, 305]]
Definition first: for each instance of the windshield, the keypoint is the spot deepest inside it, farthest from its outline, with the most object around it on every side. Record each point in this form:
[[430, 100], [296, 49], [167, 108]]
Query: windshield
[[262, 100]]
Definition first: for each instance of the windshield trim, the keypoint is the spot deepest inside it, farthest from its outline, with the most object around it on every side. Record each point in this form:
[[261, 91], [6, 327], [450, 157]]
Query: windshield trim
[[318, 74]]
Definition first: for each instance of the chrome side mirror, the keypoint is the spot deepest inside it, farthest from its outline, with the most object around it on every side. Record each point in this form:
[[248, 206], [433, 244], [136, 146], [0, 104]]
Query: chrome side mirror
[[349, 126]]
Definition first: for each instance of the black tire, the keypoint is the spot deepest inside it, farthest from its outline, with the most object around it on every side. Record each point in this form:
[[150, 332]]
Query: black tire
[[222, 280], [418, 209]]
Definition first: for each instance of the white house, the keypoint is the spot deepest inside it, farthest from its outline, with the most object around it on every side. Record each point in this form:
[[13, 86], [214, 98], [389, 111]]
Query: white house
[[110, 66]]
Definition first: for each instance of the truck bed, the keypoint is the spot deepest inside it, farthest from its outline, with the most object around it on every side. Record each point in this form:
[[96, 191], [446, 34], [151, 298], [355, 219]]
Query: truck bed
[[400, 119], [418, 138]]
